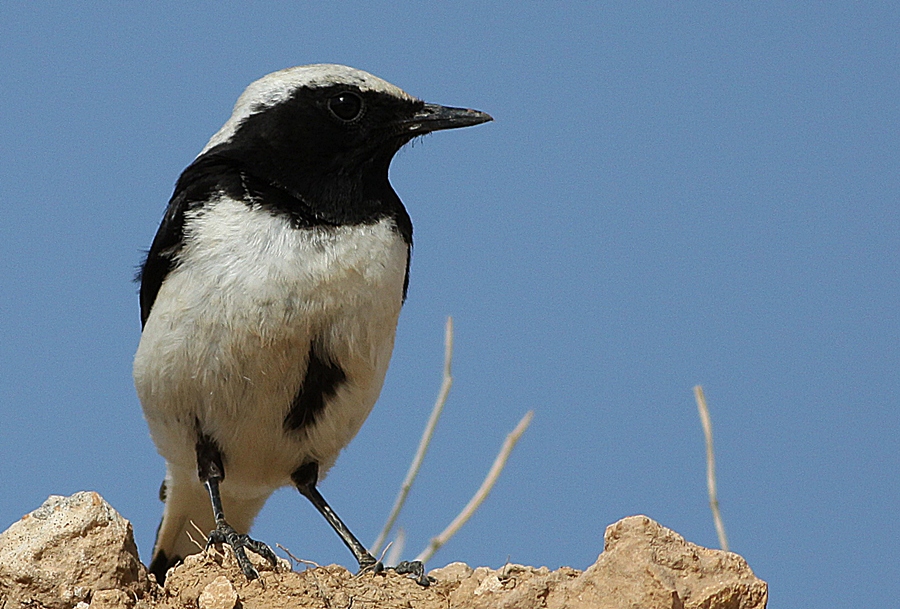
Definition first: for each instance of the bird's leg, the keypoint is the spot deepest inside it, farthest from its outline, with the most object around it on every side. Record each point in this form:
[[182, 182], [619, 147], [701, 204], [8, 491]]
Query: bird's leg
[[225, 533], [211, 473], [305, 478]]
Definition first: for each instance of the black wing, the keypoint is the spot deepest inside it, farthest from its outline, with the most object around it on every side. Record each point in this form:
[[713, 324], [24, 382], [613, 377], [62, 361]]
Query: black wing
[[161, 257], [207, 176]]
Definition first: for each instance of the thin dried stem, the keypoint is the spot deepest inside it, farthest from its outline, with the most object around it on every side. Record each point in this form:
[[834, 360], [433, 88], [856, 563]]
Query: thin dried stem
[[299, 561], [396, 550], [191, 537], [482, 492], [711, 466], [423, 442]]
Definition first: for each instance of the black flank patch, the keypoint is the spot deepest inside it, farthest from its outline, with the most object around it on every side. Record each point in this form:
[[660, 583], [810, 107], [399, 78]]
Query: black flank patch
[[320, 383]]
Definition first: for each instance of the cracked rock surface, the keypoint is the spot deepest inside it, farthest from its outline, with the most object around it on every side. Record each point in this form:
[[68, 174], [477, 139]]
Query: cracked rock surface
[[78, 553]]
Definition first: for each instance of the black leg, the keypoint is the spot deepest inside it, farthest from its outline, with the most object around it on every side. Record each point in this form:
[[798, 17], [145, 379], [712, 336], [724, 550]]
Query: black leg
[[211, 473], [305, 478]]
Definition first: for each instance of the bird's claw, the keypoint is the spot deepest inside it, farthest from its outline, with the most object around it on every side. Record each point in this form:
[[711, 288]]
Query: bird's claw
[[225, 533], [371, 565], [414, 568], [417, 570]]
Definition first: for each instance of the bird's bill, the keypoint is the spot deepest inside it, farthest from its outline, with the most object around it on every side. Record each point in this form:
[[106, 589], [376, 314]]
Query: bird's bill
[[433, 117]]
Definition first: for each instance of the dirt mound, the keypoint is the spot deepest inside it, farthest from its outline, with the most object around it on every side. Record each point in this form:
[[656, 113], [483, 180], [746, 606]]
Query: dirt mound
[[78, 552]]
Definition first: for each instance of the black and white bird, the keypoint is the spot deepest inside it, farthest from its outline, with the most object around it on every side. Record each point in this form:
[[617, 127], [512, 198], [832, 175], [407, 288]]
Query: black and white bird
[[270, 297]]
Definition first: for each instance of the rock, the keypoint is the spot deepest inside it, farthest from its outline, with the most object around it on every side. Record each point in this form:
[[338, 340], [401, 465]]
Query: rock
[[512, 586], [644, 564], [111, 599], [66, 551], [218, 594], [78, 552], [454, 572]]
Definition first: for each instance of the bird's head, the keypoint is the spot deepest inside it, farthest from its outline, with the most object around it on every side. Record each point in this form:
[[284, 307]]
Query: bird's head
[[327, 122]]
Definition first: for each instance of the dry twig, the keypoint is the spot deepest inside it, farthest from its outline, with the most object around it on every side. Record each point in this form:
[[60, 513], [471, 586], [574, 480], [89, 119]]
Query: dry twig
[[396, 550], [710, 466], [299, 561], [423, 442], [194, 541], [481, 493]]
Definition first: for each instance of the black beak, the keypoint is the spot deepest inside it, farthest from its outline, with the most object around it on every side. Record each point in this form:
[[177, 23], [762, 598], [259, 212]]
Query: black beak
[[433, 117]]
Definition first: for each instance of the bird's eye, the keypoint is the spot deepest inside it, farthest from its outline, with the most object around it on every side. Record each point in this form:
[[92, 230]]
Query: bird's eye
[[346, 106]]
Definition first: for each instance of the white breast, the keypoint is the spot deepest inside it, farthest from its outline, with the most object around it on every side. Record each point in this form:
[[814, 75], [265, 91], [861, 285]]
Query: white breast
[[228, 336]]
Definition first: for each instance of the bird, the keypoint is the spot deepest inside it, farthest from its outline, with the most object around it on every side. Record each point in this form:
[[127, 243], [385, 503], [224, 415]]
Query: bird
[[269, 301]]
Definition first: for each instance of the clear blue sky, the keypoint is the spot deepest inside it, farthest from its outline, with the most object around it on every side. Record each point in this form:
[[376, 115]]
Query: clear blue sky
[[671, 194]]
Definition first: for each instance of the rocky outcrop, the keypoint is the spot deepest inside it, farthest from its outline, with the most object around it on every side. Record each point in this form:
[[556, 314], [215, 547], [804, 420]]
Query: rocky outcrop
[[78, 552], [67, 551]]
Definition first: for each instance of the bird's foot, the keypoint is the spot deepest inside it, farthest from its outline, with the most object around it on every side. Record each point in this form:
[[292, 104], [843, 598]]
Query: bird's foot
[[417, 570], [369, 564], [225, 533]]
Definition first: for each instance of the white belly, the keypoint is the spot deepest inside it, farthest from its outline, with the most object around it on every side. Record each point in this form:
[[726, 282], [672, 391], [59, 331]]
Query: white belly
[[229, 334]]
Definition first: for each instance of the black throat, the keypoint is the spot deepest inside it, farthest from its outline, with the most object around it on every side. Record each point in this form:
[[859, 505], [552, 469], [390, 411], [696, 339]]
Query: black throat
[[325, 200]]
